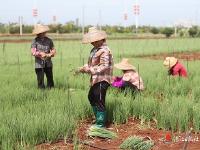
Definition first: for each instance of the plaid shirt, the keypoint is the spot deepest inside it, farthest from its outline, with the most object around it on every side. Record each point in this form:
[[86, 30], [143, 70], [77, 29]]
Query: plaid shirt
[[134, 78], [100, 63]]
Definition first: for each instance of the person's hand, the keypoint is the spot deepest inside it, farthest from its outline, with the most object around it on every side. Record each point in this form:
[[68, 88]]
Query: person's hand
[[81, 69], [76, 71], [113, 78], [43, 55], [84, 69], [48, 55]]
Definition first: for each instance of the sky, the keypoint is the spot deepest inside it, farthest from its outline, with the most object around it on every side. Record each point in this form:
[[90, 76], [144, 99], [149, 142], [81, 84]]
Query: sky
[[111, 12]]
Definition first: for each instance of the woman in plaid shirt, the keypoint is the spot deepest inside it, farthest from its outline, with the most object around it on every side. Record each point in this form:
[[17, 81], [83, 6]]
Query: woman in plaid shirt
[[100, 67], [130, 79]]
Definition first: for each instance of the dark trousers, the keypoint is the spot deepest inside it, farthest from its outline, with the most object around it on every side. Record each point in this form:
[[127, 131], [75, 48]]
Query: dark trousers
[[97, 95], [40, 77]]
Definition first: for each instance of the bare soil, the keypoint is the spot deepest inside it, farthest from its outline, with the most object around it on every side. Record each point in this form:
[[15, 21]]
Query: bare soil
[[132, 127], [193, 55]]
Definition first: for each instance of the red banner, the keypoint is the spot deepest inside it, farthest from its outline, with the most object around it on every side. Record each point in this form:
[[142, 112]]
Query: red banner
[[136, 9], [35, 12], [125, 16]]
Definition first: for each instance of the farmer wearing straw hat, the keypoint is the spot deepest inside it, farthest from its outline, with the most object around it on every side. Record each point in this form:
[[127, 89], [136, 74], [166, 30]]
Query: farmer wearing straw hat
[[100, 67], [43, 49], [130, 79], [175, 67]]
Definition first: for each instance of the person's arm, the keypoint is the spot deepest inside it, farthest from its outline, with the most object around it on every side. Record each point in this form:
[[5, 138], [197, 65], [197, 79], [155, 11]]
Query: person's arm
[[52, 50], [183, 72], [104, 64], [126, 77], [36, 52], [179, 70]]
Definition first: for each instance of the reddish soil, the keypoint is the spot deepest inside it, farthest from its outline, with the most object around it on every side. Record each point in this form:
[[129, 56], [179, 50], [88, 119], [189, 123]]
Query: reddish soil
[[132, 127], [195, 55], [15, 41], [69, 37]]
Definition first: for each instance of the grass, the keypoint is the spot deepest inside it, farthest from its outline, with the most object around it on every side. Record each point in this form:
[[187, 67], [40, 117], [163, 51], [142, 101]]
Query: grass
[[30, 116]]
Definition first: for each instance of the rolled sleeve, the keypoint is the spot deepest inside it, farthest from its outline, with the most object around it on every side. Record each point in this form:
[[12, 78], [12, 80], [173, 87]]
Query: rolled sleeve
[[35, 52], [126, 77], [53, 52]]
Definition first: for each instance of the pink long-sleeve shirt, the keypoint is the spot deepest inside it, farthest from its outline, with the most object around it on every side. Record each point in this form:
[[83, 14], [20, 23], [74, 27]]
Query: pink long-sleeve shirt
[[178, 70]]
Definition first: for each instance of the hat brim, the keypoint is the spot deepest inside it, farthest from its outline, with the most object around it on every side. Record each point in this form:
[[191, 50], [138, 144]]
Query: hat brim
[[35, 32], [93, 37], [124, 67], [170, 64]]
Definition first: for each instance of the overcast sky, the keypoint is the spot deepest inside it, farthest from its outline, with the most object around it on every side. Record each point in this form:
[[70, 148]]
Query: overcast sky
[[152, 12]]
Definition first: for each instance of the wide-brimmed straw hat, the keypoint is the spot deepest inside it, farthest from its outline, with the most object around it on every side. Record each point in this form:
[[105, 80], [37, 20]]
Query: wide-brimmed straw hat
[[40, 29], [93, 35], [124, 65], [170, 62]]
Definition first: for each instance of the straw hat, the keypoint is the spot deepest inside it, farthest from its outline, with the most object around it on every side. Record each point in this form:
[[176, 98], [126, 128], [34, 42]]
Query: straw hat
[[170, 62], [93, 35], [40, 29], [125, 65]]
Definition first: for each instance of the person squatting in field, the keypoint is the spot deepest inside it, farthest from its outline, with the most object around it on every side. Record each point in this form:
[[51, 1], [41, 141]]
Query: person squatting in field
[[175, 68], [130, 81], [100, 67], [43, 49]]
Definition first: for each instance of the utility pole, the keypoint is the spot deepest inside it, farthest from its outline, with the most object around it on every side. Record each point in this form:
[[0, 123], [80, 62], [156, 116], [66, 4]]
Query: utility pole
[[83, 20], [136, 9], [125, 15], [175, 31], [20, 25], [100, 19], [54, 19], [35, 12]]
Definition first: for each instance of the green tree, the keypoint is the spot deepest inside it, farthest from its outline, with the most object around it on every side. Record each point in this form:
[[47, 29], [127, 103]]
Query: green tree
[[3, 28], [27, 28], [14, 28], [154, 30], [193, 31], [167, 31]]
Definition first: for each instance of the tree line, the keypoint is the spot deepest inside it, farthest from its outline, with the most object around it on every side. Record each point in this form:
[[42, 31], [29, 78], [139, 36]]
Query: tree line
[[71, 27]]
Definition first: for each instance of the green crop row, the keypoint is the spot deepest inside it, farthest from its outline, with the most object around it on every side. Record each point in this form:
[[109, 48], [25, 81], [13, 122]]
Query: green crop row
[[30, 116]]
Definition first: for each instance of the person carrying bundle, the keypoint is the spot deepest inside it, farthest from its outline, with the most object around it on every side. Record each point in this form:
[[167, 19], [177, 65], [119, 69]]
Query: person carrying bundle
[[43, 49], [130, 79], [100, 67], [175, 68]]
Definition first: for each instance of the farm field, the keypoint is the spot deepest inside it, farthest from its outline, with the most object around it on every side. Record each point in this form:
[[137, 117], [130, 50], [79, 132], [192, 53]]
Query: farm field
[[30, 116]]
